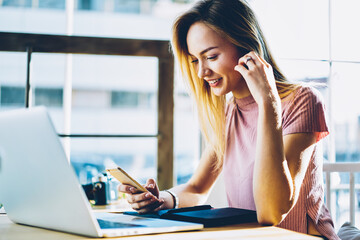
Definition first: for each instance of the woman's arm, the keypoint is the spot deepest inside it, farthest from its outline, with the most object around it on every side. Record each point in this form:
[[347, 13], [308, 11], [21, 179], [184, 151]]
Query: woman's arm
[[280, 166], [196, 190], [192, 193], [280, 162]]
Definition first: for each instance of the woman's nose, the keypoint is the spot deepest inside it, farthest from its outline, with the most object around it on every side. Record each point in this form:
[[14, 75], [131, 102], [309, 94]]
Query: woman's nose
[[203, 71]]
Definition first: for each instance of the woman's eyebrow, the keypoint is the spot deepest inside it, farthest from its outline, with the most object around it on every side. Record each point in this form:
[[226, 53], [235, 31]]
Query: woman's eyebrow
[[204, 51]]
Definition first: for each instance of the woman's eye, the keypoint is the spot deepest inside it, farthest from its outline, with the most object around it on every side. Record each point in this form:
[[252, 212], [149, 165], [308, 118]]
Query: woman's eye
[[212, 57], [194, 61]]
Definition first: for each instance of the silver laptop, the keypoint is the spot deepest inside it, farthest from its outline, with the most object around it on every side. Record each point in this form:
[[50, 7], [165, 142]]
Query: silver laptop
[[38, 187]]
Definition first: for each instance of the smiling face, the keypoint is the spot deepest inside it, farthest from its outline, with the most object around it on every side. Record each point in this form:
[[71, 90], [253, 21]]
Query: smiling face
[[214, 59]]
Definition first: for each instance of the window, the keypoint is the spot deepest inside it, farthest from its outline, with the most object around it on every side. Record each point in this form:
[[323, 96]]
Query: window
[[49, 97], [12, 96], [122, 99], [12, 80], [109, 95]]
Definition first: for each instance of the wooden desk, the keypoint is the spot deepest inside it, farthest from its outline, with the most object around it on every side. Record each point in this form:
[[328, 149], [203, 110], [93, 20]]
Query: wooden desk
[[12, 231]]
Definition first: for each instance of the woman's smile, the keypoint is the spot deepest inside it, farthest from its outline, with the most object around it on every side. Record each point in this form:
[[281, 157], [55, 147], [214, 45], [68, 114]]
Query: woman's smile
[[214, 83]]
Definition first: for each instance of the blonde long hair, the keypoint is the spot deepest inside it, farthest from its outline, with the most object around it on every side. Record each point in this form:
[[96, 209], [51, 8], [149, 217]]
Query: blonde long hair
[[234, 20]]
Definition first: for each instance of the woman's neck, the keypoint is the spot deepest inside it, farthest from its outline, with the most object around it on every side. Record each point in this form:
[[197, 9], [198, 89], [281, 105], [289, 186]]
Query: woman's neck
[[242, 92]]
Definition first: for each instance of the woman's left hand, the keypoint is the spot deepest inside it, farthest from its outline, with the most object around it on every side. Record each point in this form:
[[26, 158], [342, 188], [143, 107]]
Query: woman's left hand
[[259, 77]]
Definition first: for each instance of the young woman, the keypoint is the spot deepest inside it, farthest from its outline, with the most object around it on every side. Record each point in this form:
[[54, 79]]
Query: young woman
[[265, 139]]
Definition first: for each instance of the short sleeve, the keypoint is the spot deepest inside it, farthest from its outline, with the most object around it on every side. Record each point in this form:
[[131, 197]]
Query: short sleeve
[[304, 112]]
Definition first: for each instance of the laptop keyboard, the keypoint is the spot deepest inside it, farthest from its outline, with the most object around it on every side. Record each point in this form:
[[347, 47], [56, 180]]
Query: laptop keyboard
[[104, 224]]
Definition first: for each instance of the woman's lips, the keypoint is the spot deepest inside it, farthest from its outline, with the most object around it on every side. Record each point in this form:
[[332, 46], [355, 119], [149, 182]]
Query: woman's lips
[[215, 82]]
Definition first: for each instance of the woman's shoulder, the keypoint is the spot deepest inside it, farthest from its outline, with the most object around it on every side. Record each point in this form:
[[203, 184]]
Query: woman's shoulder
[[305, 94], [304, 111]]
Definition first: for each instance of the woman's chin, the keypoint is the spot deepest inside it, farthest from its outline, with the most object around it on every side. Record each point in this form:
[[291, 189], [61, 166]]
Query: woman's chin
[[218, 92]]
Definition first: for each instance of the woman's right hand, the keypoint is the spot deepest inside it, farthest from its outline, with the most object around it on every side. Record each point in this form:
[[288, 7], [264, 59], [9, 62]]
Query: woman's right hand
[[143, 202]]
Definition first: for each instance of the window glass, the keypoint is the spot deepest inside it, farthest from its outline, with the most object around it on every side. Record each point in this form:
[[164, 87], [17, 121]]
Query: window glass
[[340, 210], [110, 94], [305, 71], [114, 95], [52, 97], [295, 29], [17, 3], [345, 35], [26, 16], [346, 111], [91, 156], [186, 134], [51, 4], [12, 80], [47, 85], [12, 96], [117, 24]]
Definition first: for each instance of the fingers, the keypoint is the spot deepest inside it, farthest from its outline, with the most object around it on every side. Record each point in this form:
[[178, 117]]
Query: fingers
[[152, 186], [134, 198], [156, 206], [159, 208], [149, 205], [251, 59], [240, 68], [127, 189], [150, 181], [143, 201], [245, 63], [249, 62]]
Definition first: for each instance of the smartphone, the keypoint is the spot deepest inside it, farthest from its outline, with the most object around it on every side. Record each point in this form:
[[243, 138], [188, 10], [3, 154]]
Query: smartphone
[[125, 178]]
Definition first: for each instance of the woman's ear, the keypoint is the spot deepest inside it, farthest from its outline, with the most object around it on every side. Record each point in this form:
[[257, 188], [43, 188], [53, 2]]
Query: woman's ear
[[242, 51]]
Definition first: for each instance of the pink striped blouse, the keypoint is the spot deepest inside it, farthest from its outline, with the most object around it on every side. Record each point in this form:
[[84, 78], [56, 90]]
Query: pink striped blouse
[[302, 111]]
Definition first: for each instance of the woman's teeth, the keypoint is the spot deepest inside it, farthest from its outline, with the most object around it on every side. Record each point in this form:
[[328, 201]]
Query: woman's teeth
[[214, 81]]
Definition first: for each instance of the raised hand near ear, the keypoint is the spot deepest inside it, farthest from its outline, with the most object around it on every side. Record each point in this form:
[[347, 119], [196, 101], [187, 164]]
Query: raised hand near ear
[[259, 77]]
